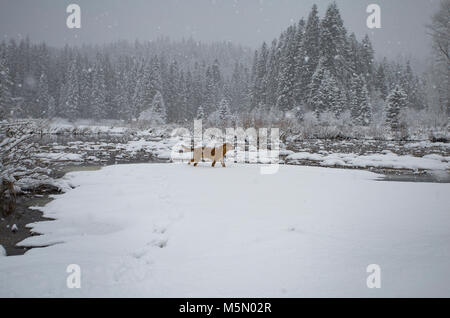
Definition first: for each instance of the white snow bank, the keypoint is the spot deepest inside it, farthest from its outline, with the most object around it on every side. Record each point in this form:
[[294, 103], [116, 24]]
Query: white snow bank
[[161, 230], [2, 251], [385, 160]]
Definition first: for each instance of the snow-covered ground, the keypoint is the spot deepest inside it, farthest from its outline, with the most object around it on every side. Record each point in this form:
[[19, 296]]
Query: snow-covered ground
[[162, 230]]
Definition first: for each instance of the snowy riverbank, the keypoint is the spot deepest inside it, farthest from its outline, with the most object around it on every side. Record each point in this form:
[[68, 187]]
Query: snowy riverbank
[[173, 230]]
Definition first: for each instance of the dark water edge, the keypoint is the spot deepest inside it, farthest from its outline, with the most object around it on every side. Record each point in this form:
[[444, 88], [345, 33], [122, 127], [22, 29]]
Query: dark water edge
[[21, 216], [428, 177]]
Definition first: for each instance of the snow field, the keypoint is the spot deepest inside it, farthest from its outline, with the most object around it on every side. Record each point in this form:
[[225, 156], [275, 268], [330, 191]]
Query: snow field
[[162, 230]]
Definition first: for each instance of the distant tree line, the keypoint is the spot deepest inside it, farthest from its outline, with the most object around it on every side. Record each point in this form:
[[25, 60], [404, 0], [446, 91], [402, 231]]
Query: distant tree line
[[313, 66]]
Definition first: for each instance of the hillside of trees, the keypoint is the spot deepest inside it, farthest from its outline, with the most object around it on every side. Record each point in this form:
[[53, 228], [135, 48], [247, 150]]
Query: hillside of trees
[[314, 68]]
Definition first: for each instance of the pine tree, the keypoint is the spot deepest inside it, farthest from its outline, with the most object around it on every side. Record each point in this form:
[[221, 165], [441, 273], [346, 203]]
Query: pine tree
[[144, 94], [412, 88], [359, 102], [333, 44], [238, 88], [172, 92], [354, 54], [367, 61], [300, 87], [122, 99], [42, 101], [183, 107], [286, 84], [5, 90], [396, 101], [381, 81], [98, 94], [224, 111], [212, 88], [85, 92], [71, 94], [260, 78], [156, 114], [159, 108], [273, 73], [327, 97], [51, 109], [314, 85], [155, 79], [311, 47]]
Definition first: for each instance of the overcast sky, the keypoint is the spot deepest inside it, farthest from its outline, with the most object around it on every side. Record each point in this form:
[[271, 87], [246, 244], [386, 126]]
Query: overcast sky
[[246, 22]]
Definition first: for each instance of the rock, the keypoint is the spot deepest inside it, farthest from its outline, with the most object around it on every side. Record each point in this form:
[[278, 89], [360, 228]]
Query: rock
[[14, 228]]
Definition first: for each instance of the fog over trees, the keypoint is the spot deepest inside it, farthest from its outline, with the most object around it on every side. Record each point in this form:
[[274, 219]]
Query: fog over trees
[[315, 66]]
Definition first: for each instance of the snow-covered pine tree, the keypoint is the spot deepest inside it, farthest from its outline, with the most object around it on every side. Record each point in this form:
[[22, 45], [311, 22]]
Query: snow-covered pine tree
[[239, 88], [353, 52], [70, 100], [260, 78], [5, 90], [172, 92], [412, 88], [333, 46], [98, 94], [327, 97], [122, 98], [43, 97], [359, 102], [140, 79], [183, 107], [224, 112], [155, 78], [210, 93], [367, 61], [85, 92], [159, 108], [51, 109], [190, 96], [396, 101], [314, 85], [285, 94], [253, 74], [156, 114], [380, 80], [311, 47], [299, 62], [273, 73]]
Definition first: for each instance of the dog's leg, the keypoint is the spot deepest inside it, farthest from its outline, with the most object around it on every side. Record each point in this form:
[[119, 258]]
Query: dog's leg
[[223, 163], [213, 164], [192, 160]]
